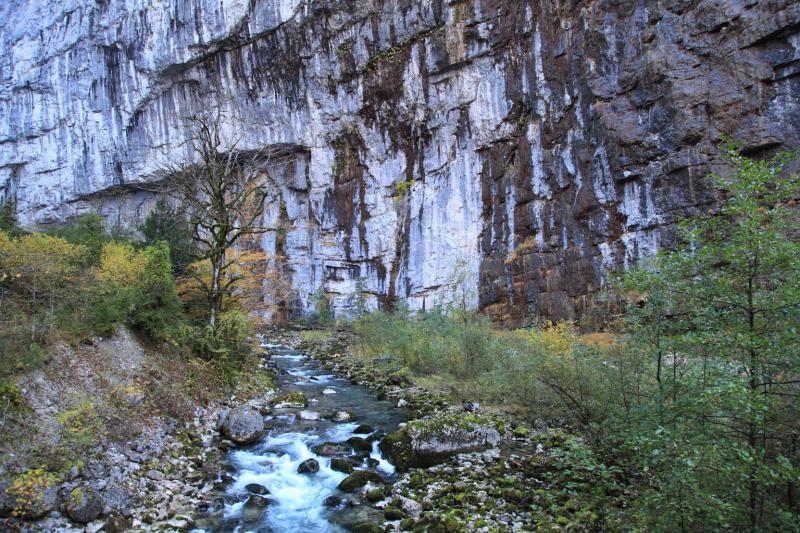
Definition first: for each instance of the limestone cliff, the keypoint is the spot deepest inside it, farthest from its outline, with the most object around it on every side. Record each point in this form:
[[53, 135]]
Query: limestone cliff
[[521, 149]]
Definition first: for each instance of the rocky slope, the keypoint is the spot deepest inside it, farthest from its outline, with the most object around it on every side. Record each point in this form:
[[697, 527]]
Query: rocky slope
[[115, 436], [517, 150]]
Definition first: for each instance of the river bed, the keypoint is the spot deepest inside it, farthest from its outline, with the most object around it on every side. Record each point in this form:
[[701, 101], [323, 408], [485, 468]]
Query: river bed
[[297, 501]]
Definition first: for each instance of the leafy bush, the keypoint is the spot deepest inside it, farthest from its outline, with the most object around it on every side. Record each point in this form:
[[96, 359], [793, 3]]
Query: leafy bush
[[699, 403], [37, 275]]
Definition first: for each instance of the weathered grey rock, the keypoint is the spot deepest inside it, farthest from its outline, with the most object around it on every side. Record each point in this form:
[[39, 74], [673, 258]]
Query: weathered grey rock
[[308, 415], [331, 449], [540, 144], [243, 426], [309, 466], [83, 504], [342, 416], [432, 440]]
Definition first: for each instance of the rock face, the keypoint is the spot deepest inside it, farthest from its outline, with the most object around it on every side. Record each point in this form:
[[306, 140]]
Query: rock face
[[515, 150], [427, 442], [243, 426]]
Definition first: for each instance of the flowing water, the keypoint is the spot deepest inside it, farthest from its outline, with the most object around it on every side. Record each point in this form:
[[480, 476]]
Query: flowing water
[[296, 500]]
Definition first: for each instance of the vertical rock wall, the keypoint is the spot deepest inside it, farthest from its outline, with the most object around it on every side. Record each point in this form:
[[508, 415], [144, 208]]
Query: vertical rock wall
[[510, 152]]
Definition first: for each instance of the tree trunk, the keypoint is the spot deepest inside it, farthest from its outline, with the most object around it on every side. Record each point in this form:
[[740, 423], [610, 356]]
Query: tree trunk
[[215, 299]]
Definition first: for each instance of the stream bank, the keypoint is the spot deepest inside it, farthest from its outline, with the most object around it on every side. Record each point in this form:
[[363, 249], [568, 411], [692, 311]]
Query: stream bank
[[538, 478]]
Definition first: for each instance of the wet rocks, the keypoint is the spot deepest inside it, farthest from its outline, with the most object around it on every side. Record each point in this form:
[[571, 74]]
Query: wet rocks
[[309, 466], [290, 400], [360, 444], [257, 501], [243, 426], [332, 501], [308, 415], [255, 488], [342, 416], [341, 465], [331, 449], [432, 440], [363, 429], [358, 479], [83, 504]]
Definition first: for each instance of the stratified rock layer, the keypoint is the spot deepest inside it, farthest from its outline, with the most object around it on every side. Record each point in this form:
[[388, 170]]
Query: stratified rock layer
[[515, 150]]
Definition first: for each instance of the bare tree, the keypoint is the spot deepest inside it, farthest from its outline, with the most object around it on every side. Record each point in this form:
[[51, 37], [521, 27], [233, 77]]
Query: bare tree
[[223, 191]]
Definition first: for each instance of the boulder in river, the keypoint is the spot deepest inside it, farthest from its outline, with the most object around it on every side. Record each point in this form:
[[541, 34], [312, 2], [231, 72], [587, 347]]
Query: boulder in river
[[358, 479], [341, 465], [83, 504], [343, 416], [430, 441], [291, 400], [309, 415], [243, 426], [255, 488], [363, 429], [332, 501], [360, 444], [331, 449], [309, 466]]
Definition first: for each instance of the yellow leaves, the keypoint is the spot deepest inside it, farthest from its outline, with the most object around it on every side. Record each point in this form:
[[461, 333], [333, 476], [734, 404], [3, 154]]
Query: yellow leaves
[[28, 490], [249, 270], [39, 261], [556, 339], [120, 264]]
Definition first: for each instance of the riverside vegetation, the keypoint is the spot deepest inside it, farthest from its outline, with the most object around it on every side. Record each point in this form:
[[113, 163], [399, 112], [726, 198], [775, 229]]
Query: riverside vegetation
[[682, 415], [690, 400], [63, 292]]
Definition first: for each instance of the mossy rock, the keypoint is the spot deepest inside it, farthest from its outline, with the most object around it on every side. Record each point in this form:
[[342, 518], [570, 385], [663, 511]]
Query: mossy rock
[[83, 504], [430, 441], [358, 479], [292, 399], [360, 444], [366, 527], [393, 513], [375, 495], [342, 465]]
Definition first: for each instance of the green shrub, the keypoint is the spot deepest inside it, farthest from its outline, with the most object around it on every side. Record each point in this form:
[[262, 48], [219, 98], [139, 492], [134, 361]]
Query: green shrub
[[156, 307], [165, 223], [86, 230]]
